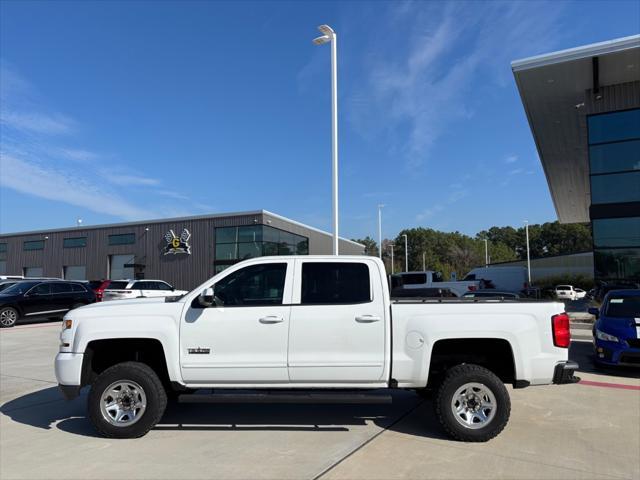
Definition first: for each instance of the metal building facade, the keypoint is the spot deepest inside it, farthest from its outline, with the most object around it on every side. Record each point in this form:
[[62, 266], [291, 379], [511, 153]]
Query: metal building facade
[[149, 251]]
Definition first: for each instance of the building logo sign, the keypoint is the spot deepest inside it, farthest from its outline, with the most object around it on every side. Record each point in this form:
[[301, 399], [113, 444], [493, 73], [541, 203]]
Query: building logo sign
[[177, 244]]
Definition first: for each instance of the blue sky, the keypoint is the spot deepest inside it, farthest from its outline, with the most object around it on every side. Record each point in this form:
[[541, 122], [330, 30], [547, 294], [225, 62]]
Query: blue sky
[[116, 111]]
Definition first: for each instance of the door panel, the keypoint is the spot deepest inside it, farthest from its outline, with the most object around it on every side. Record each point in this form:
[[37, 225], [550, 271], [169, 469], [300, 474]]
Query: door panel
[[338, 342], [244, 338], [38, 300]]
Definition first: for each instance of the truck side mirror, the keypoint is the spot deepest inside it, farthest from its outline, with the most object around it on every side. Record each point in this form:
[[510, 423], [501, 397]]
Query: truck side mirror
[[206, 298], [594, 311]]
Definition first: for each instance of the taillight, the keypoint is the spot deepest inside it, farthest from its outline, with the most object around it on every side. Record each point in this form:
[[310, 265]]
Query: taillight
[[471, 288], [561, 330]]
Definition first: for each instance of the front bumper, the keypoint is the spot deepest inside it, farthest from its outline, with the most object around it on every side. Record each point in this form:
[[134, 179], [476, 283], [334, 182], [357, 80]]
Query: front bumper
[[615, 354], [564, 373]]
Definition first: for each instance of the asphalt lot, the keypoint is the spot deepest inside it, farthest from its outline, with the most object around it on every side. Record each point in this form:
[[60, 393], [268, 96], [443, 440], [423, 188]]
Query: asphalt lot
[[589, 430]]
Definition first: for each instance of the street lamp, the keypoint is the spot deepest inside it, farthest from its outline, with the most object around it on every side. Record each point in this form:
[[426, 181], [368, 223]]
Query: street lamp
[[486, 253], [406, 253], [329, 36], [526, 229], [78, 222], [380, 207], [392, 245]]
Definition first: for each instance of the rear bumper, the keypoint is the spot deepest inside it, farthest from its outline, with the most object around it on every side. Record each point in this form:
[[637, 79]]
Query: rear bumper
[[564, 373]]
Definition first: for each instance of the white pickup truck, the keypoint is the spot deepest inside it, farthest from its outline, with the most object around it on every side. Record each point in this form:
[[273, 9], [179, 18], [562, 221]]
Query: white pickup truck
[[430, 279], [312, 329]]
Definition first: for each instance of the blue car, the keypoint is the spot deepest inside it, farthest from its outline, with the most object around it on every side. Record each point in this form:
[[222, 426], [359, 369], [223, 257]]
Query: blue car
[[616, 332]]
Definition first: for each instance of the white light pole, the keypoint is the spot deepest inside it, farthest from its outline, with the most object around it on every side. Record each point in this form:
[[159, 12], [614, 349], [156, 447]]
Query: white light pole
[[486, 253], [380, 207], [391, 245], [329, 36], [406, 253], [526, 229]]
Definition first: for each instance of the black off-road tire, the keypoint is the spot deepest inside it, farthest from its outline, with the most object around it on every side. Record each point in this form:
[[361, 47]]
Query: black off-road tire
[[9, 317], [155, 393], [455, 378]]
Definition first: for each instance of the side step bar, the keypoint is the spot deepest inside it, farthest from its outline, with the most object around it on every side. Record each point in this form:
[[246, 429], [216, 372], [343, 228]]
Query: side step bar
[[316, 398]]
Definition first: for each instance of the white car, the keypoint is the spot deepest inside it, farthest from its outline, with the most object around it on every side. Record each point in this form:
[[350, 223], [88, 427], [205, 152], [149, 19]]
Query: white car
[[309, 329], [568, 292], [430, 279], [126, 289]]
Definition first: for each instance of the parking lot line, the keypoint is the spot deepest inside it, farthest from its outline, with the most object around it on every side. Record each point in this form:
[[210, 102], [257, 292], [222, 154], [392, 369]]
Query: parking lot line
[[608, 385]]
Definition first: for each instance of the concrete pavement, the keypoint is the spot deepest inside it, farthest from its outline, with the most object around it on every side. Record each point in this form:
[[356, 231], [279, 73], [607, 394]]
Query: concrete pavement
[[575, 431]]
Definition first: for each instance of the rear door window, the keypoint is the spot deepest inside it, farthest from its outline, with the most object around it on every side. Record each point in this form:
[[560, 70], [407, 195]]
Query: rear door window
[[60, 288], [117, 286], [335, 283]]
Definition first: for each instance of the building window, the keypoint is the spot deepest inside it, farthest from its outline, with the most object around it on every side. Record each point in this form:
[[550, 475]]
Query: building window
[[614, 126], [614, 161], [121, 266], [75, 272], [616, 232], [615, 157], [74, 242], [240, 243], [34, 245], [32, 271], [617, 264], [3, 267], [615, 188], [3, 248], [122, 239]]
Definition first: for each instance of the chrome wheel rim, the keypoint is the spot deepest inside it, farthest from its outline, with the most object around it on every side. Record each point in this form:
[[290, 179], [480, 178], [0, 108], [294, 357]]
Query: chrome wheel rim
[[8, 317], [123, 403], [473, 405]]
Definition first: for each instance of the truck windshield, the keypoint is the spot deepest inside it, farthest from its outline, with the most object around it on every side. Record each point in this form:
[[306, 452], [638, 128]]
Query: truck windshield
[[624, 306]]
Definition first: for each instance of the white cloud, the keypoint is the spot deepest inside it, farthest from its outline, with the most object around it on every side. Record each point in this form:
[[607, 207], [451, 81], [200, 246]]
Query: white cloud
[[36, 122], [63, 186], [129, 180], [422, 86], [511, 159], [429, 212]]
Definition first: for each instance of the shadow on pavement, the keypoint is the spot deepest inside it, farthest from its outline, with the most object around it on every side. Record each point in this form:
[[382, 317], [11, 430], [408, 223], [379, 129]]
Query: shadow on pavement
[[42, 410], [582, 352]]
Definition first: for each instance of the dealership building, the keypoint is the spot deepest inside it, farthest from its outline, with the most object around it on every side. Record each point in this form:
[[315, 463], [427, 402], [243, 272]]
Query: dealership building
[[583, 107], [182, 251]]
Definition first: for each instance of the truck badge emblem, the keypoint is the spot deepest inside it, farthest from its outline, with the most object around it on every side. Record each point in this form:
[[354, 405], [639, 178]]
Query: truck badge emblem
[[177, 244], [199, 351]]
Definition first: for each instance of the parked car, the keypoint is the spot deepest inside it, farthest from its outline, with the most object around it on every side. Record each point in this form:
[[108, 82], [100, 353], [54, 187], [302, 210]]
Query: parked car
[[98, 287], [569, 292], [490, 293], [124, 289], [431, 279], [508, 279], [604, 288], [41, 298], [323, 326], [616, 331]]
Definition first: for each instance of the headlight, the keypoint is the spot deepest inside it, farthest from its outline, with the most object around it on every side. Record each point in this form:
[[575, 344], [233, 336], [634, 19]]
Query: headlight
[[605, 336]]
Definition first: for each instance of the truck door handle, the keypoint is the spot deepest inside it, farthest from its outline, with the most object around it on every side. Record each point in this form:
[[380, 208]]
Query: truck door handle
[[271, 319], [367, 319]]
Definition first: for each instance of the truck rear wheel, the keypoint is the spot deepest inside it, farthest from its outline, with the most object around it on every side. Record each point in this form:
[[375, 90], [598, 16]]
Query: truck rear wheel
[[126, 400], [472, 403]]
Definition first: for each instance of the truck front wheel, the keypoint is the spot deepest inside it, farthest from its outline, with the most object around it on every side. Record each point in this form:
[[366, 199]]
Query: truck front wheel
[[126, 400], [472, 404]]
